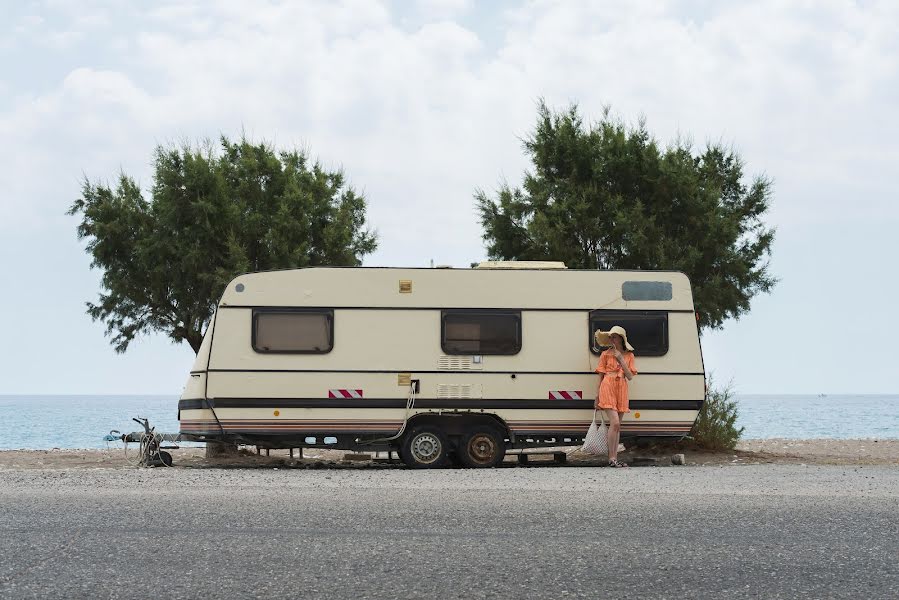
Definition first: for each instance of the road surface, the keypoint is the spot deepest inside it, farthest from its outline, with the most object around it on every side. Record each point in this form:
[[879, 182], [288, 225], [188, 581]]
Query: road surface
[[762, 531]]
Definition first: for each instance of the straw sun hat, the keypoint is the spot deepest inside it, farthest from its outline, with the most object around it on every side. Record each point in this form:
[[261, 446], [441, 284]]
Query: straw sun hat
[[604, 338]]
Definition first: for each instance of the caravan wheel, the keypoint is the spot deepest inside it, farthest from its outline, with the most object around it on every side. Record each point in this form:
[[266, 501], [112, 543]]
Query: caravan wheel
[[424, 448], [481, 447]]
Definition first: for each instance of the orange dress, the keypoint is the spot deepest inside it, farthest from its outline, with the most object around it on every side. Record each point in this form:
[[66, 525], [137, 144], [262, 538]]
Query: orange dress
[[613, 389]]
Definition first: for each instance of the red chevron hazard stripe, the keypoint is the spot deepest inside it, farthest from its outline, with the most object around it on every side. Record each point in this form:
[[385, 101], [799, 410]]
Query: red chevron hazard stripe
[[344, 393], [566, 395]]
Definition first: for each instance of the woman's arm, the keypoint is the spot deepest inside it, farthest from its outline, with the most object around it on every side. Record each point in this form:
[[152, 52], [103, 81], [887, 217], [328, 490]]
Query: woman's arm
[[601, 375], [621, 361]]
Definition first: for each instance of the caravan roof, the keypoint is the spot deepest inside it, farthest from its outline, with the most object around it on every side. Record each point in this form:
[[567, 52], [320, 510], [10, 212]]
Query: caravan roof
[[383, 287]]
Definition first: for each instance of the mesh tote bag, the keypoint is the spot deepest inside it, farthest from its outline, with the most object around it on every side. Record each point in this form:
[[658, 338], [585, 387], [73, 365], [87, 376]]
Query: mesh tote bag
[[596, 441]]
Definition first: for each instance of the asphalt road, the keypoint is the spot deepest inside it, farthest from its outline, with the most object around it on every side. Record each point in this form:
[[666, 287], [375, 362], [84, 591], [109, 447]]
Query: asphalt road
[[765, 531]]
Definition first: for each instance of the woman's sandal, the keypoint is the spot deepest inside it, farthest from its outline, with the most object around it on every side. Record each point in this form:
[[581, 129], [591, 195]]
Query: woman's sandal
[[617, 465]]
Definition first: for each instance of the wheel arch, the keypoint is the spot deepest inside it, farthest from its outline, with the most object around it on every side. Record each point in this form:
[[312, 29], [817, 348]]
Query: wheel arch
[[457, 423]]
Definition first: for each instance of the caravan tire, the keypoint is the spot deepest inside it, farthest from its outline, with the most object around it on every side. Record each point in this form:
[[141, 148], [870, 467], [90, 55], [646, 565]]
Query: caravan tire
[[481, 448], [424, 448]]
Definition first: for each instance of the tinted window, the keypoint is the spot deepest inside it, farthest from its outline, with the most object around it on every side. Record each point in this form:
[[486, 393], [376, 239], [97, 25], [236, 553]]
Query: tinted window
[[647, 330], [296, 331], [481, 332], [646, 290]]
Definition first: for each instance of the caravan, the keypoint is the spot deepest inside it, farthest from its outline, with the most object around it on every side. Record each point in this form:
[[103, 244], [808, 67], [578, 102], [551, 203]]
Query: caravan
[[442, 365]]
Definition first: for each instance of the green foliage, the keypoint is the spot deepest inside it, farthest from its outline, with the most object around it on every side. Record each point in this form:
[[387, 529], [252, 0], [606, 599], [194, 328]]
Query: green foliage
[[715, 428], [214, 213], [606, 196]]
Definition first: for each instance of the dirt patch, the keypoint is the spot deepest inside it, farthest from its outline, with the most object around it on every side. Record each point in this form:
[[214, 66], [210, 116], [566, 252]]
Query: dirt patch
[[775, 451], [826, 452]]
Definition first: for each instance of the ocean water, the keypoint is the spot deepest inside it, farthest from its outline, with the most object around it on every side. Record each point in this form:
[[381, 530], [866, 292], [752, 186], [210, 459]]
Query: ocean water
[[43, 422], [823, 416]]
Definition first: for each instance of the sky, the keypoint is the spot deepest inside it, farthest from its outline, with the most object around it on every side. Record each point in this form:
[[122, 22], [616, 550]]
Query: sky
[[422, 103]]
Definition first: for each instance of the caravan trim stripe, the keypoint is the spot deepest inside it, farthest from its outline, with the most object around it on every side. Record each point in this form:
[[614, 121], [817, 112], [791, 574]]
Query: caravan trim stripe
[[444, 403]]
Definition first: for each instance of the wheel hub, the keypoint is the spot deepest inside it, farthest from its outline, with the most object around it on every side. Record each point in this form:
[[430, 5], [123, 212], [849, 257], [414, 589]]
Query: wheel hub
[[426, 448], [482, 448]]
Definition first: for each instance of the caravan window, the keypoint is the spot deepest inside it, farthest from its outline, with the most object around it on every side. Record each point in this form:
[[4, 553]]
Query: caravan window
[[293, 331], [481, 331], [647, 330]]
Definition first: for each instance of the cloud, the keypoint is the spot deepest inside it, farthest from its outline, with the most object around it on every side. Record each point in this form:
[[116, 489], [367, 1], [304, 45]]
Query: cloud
[[105, 90], [88, 120], [803, 92], [793, 87], [442, 9]]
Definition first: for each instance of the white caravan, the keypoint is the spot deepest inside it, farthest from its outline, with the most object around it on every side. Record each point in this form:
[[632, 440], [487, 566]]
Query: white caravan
[[442, 365]]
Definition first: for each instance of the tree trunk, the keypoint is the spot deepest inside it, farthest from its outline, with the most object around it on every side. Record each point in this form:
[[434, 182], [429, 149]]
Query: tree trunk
[[195, 340], [221, 449]]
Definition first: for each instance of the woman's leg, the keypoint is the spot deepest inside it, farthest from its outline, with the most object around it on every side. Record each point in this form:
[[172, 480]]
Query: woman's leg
[[612, 436]]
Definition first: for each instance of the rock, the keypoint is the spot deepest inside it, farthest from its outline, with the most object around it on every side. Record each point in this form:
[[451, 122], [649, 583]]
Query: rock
[[678, 459], [357, 457]]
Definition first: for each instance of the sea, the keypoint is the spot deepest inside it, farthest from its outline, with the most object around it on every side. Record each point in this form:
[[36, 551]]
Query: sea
[[47, 422]]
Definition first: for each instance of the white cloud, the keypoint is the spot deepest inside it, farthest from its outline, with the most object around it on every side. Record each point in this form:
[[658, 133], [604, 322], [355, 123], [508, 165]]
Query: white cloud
[[105, 90], [802, 90], [28, 23], [88, 120], [442, 9], [788, 85]]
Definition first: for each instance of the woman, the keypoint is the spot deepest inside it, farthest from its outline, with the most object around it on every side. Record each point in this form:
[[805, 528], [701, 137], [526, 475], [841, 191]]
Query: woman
[[616, 367]]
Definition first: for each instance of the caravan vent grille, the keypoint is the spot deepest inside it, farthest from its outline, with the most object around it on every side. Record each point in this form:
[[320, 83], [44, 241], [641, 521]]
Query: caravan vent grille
[[458, 363], [461, 390]]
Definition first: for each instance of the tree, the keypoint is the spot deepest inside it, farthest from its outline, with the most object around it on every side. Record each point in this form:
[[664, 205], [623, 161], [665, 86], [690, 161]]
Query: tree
[[606, 196], [213, 213]]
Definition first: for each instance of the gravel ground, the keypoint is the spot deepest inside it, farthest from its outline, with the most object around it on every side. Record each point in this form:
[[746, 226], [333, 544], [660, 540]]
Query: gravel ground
[[777, 451], [741, 531]]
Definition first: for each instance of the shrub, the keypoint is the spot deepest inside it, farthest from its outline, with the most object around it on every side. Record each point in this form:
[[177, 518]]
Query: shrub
[[715, 428]]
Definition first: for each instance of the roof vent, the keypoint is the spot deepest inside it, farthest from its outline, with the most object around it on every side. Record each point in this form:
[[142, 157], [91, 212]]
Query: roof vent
[[521, 264]]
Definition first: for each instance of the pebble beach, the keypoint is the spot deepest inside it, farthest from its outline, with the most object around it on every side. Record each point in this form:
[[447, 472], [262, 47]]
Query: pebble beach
[[768, 451]]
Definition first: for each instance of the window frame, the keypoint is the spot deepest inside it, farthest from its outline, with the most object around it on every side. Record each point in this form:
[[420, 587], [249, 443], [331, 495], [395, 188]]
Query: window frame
[[328, 313], [490, 312], [613, 314]]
